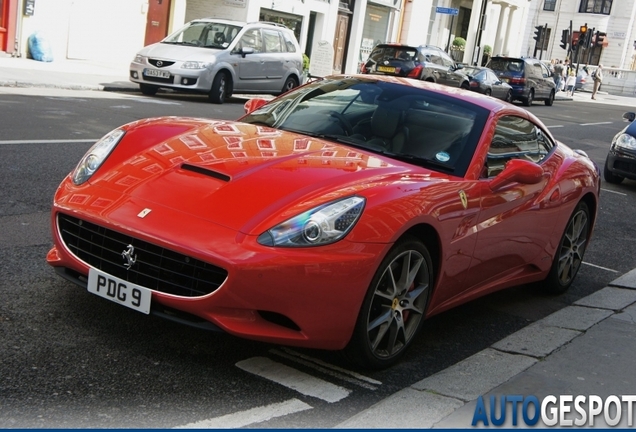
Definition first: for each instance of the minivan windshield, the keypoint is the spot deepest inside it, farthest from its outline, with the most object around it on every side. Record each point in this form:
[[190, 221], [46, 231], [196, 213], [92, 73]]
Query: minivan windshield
[[512, 66], [204, 34]]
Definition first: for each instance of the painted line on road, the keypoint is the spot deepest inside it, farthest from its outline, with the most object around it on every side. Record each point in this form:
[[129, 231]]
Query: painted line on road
[[594, 124], [248, 417], [56, 141], [555, 126], [328, 369], [293, 379], [599, 267], [614, 192]]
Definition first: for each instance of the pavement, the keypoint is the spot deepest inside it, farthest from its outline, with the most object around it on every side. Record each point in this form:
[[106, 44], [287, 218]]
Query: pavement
[[587, 349]]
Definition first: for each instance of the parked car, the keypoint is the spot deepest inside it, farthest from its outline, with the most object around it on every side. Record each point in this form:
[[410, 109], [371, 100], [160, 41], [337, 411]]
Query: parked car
[[584, 82], [621, 159], [220, 57], [530, 78], [427, 63], [338, 216], [484, 81]]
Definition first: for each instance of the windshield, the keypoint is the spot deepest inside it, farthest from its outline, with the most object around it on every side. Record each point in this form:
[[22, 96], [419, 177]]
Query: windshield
[[423, 127], [204, 34], [511, 66]]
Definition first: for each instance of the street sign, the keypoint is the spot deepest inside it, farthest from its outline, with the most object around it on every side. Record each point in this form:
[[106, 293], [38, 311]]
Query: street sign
[[447, 11]]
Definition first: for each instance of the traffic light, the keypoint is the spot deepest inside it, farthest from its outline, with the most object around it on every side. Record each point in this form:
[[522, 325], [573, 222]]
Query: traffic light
[[600, 38], [538, 33], [583, 35], [565, 38]]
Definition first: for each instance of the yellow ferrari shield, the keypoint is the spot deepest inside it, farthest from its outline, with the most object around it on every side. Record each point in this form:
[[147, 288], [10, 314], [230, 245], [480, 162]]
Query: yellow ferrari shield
[[464, 198]]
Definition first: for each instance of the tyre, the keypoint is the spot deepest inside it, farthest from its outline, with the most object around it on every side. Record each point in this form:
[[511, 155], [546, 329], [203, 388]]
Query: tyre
[[509, 96], [219, 91], [610, 177], [290, 83], [393, 309], [528, 101], [488, 92], [550, 100], [148, 90], [569, 254], [465, 85]]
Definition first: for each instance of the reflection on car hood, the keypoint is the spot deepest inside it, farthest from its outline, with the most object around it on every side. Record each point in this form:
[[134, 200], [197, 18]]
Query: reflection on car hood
[[172, 52], [237, 174]]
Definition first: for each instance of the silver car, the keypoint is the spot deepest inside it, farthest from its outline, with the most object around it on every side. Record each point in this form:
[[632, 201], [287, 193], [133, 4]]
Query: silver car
[[221, 57]]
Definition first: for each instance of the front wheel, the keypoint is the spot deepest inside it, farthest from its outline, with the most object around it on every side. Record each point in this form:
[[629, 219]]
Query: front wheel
[[393, 309], [148, 90], [569, 255], [219, 90], [550, 100]]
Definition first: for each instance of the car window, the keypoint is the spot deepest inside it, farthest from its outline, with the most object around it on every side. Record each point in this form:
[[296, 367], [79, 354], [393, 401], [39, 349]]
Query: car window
[[511, 66], [273, 41], [205, 34], [491, 76], [516, 138], [446, 60], [289, 44], [251, 39]]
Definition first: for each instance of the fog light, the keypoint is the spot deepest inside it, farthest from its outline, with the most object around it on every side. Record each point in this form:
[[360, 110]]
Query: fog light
[[134, 74], [184, 81]]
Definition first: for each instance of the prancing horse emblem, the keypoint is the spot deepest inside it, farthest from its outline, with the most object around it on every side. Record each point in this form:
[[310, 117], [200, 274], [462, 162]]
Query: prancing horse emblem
[[464, 198], [129, 256]]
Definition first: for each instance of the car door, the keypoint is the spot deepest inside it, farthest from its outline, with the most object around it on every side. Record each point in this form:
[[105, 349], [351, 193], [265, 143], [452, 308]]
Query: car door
[[251, 67], [274, 59], [453, 77], [499, 89], [515, 221]]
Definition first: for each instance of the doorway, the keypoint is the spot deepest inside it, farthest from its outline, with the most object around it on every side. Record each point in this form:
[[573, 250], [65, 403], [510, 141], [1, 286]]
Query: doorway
[[340, 43], [157, 21]]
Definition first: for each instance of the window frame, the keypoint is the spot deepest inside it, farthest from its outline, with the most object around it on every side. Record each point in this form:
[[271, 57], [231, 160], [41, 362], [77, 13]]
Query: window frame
[[601, 7], [548, 3]]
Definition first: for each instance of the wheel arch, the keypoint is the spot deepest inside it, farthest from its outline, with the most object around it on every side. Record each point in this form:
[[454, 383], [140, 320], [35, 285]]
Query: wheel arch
[[590, 200], [430, 237]]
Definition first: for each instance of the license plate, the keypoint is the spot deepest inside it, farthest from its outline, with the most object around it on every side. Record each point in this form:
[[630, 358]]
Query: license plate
[[119, 291], [386, 69], [156, 73]]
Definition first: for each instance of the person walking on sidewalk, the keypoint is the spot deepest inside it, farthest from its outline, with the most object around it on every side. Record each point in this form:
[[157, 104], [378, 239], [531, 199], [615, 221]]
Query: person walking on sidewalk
[[597, 76], [558, 74], [570, 83]]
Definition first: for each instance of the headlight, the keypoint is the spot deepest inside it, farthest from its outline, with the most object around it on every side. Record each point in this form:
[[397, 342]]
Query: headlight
[[625, 141], [194, 65], [322, 225], [140, 59], [94, 158]]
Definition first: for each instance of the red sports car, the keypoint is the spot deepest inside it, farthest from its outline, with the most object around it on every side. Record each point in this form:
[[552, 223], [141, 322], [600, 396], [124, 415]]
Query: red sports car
[[338, 216]]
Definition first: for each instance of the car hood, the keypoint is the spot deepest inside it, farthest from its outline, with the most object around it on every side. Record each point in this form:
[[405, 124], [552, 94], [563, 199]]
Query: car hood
[[166, 51], [240, 175]]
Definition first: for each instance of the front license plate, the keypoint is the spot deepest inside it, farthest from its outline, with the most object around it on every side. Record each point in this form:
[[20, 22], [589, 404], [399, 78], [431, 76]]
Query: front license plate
[[389, 69], [156, 73], [114, 289]]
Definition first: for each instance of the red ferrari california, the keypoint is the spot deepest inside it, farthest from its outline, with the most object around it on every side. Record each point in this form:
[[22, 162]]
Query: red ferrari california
[[338, 216]]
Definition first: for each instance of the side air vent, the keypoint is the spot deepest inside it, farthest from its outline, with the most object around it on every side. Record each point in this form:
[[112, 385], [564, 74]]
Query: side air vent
[[206, 172]]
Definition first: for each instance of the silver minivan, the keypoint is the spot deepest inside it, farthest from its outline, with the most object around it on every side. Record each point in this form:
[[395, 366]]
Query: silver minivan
[[221, 57]]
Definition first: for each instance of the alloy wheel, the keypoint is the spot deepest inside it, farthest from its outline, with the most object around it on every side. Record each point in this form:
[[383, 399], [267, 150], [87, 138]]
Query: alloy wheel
[[573, 247]]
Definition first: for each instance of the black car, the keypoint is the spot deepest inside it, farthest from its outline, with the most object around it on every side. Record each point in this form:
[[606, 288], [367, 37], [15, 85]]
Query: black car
[[621, 159], [484, 81], [425, 62], [530, 79]]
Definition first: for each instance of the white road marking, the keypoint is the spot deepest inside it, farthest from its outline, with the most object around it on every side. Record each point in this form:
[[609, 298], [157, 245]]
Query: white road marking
[[599, 267], [614, 192], [330, 366], [156, 101], [594, 124], [247, 417], [555, 126], [294, 379], [54, 141]]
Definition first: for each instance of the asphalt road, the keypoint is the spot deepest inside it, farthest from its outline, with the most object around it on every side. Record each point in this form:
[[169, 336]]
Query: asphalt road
[[70, 359]]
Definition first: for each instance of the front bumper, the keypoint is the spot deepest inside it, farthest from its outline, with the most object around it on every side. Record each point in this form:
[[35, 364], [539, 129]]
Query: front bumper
[[182, 79], [622, 163]]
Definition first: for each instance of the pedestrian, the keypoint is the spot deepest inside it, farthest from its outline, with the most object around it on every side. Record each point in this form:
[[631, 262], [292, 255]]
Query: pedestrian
[[570, 83], [597, 76], [558, 74]]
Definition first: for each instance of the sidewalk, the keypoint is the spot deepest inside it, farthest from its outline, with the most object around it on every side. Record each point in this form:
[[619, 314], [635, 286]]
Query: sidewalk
[[588, 348]]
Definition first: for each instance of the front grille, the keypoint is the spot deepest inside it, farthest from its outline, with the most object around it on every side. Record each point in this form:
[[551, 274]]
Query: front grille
[[160, 63], [156, 268], [629, 167]]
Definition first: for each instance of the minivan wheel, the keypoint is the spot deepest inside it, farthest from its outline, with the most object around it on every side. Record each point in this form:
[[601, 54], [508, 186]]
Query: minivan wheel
[[219, 90], [148, 90], [528, 101], [290, 83], [549, 101]]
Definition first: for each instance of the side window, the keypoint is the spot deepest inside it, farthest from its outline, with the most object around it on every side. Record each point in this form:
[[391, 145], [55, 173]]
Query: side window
[[252, 39], [273, 43], [516, 138], [446, 60], [434, 58], [291, 47]]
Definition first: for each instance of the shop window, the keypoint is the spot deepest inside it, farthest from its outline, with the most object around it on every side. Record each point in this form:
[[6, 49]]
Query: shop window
[[549, 5]]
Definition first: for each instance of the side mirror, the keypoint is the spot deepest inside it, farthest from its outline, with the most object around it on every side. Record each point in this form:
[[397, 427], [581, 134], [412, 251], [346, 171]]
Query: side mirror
[[246, 50], [253, 104], [629, 116], [459, 66], [519, 171]]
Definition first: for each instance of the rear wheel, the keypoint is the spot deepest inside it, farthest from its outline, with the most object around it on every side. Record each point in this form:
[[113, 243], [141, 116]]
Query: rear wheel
[[488, 92], [550, 100], [609, 176], [569, 255], [393, 309], [509, 96], [528, 101], [465, 85], [219, 90], [290, 83], [148, 90]]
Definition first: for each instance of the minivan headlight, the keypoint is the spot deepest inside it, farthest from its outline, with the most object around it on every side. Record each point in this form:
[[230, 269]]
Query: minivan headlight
[[140, 59], [194, 65], [94, 157]]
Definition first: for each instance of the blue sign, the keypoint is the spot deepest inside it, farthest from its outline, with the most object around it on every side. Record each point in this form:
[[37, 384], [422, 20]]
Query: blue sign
[[448, 11]]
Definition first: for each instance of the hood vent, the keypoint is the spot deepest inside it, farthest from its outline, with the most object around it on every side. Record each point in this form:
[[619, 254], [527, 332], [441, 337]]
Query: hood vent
[[206, 172]]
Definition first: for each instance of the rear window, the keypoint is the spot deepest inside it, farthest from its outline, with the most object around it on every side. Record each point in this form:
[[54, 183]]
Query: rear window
[[385, 52], [512, 66]]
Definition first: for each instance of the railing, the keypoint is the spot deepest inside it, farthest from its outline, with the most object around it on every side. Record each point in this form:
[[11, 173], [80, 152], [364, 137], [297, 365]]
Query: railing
[[620, 82]]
